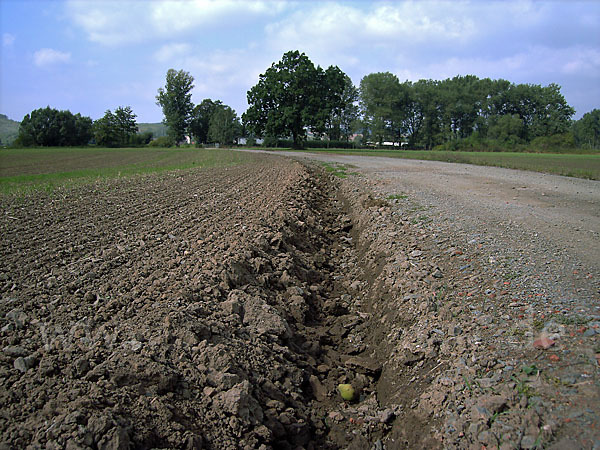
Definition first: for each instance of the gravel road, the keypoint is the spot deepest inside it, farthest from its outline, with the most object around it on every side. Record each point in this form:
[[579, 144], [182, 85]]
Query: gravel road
[[551, 222]]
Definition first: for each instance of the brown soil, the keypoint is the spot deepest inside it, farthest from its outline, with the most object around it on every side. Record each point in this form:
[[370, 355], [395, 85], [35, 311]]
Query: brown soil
[[222, 308]]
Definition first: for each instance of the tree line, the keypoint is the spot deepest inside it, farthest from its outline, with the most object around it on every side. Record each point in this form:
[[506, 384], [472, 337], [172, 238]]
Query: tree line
[[293, 96], [49, 127], [208, 122], [430, 113], [293, 100]]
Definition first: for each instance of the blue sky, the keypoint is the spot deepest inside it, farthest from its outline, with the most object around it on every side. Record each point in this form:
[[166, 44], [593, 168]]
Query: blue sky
[[91, 55]]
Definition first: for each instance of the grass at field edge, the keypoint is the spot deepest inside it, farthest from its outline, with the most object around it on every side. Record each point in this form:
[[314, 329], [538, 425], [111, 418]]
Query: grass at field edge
[[586, 166]]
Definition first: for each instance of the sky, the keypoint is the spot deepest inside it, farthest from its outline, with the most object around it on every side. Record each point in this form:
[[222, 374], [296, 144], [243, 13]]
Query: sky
[[88, 56]]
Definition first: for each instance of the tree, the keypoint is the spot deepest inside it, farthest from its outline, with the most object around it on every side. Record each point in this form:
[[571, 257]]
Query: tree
[[224, 125], [330, 102], [116, 129], [414, 114], [379, 96], [553, 113], [344, 116], [125, 124], [431, 112], [49, 127], [430, 132], [201, 116], [462, 101], [587, 130], [105, 131], [175, 99], [83, 130], [506, 129], [288, 99], [26, 136]]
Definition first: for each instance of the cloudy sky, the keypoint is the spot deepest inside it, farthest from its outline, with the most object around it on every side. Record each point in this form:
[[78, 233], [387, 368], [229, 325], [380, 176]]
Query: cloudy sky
[[91, 55]]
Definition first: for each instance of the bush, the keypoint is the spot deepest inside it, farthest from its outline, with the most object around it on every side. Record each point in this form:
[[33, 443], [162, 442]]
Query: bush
[[558, 143], [141, 139], [476, 144], [328, 144], [163, 141], [271, 142], [22, 141], [554, 143]]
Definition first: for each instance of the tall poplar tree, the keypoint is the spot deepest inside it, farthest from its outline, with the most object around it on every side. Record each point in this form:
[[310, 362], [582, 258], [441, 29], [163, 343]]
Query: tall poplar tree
[[175, 99]]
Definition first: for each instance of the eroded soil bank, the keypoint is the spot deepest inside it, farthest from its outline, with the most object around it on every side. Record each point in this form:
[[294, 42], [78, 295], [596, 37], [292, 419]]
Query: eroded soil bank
[[222, 308]]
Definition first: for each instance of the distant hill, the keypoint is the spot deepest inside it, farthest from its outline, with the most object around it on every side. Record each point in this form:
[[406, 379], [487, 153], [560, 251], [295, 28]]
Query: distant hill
[[157, 129], [9, 130]]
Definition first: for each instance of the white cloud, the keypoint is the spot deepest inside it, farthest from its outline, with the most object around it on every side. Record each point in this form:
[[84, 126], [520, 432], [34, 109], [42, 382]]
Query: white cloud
[[8, 40], [537, 65], [329, 27], [110, 22], [49, 56], [169, 16], [218, 76], [113, 22], [422, 21], [582, 61], [170, 52], [437, 39]]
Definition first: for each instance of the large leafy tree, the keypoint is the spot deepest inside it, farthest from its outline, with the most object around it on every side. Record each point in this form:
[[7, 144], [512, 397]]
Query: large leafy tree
[[543, 110], [201, 116], [50, 127], [83, 130], [344, 122], [553, 113], [462, 100], [291, 96], [431, 131], [413, 114], [380, 102], [116, 129], [175, 99], [330, 101], [224, 125], [105, 132], [126, 124]]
